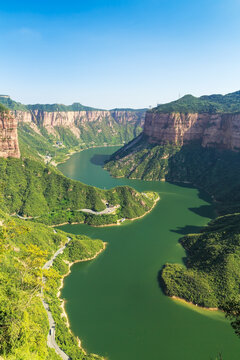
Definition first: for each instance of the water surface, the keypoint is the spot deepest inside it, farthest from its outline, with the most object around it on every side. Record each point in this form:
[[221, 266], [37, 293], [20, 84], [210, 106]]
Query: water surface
[[114, 303]]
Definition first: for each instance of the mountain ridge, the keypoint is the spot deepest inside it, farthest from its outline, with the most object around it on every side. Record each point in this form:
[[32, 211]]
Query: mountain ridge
[[216, 103]]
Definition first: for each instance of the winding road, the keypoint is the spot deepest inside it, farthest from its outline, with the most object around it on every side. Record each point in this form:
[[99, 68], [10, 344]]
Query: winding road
[[51, 342]]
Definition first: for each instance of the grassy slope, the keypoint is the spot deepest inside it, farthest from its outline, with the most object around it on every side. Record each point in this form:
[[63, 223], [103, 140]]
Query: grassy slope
[[24, 324]]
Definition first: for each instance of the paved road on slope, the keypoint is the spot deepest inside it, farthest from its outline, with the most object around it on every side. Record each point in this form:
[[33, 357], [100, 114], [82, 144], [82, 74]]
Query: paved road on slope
[[108, 210], [51, 335]]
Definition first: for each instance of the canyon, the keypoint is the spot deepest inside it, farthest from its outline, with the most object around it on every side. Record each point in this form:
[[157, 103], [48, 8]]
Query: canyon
[[74, 120], [56, 129], [220, 130]]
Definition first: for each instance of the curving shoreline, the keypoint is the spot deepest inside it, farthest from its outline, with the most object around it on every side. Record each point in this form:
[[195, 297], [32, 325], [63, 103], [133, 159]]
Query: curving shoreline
[[176, 298], [64, 313], [114, 224], [55, 163], [133, 219]]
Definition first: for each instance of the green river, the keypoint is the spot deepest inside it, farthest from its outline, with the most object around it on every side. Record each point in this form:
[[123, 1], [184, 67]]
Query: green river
[[114, 303]]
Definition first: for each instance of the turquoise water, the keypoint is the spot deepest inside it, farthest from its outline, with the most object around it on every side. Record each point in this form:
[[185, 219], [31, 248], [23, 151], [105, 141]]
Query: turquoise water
[[114, 303]]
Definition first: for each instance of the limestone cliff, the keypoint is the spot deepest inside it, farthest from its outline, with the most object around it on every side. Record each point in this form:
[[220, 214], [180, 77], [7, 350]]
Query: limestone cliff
[[8, 136], [75, 120], [220, 130]]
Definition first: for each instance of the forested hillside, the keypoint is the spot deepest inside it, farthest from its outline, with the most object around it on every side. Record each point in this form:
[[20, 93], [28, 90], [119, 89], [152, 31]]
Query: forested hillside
[[216, 103], [31, 189], [24, 248], [211, 275]]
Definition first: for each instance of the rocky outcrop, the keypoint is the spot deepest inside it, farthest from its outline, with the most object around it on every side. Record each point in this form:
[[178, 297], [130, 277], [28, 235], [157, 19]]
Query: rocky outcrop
[[8, 136], [211, 130], [73, 120]]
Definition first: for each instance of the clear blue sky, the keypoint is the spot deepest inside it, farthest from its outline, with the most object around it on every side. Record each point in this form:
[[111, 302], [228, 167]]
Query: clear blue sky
[[118, 53]]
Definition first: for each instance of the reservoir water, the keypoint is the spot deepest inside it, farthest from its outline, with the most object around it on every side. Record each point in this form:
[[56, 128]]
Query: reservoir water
[[114, 303]]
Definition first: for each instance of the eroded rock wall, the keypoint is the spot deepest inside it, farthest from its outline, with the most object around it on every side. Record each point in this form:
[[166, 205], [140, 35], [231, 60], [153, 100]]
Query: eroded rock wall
[[8, 136], [73, 119], [211, 130]]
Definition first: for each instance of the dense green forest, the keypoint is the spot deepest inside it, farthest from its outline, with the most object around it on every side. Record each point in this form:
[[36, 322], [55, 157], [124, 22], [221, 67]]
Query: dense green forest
[[42, 146], [215, 171], [45, 146], [211, 275], [24, 248], [13, 105], [211, 104], [31, 189]]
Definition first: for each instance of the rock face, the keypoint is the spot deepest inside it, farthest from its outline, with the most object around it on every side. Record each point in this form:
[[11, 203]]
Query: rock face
[[8, 136], [211, 130], [73, 120]]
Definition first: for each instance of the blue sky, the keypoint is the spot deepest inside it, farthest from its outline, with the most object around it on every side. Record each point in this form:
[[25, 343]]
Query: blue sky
[[118, 53]]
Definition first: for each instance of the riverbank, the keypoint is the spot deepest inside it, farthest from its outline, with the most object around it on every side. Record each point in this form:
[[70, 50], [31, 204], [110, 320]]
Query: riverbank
[[63, 312], [192, 304], [119, 221], [107, 303], [67, 156]]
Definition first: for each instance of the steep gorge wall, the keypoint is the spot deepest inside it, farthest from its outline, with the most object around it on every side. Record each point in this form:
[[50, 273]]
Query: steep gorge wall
[[211, 130], [8, 136], [73, 120]]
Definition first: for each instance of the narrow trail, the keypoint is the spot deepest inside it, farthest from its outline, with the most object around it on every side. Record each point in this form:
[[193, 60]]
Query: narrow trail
[[51, 342]]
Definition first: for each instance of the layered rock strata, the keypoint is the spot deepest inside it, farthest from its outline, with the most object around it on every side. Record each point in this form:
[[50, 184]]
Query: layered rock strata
[[8, 136], [72, 120], [211, 130]]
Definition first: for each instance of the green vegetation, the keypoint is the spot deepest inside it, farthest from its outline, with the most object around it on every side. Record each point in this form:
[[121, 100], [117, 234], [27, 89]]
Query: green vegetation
[[35, 141], [43, 147], [40, 144], [212, 272], [59, 107], [39, 192], [107, 131], [229, 103], [80, 248], [3, 108], [24, 248], [43, 196], [31, 189], [215, 171], [13, 105], [141, 160]]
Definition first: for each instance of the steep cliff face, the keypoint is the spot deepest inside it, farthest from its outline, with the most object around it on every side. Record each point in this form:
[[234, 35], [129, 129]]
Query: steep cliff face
[[219, 130], [8, 136], [74, 120]]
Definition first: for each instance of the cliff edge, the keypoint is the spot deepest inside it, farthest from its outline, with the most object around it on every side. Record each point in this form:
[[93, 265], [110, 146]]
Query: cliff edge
[[8, 135], [220, 130]]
